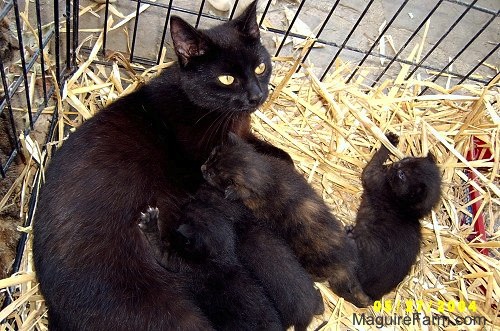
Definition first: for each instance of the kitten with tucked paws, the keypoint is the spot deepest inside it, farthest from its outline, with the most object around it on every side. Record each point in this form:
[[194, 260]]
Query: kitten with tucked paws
[[282, 199], [219, 236], [387, 230], [221, 287]]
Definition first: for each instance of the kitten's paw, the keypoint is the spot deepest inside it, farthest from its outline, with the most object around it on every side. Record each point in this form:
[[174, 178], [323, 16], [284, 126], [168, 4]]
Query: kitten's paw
[[349, 230], [393, 138], [230, 193], [363, 301], [149, 219]]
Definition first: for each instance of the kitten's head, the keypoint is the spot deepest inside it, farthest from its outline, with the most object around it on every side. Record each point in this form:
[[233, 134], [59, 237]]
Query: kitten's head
[[416, 183], [204, 234], [236, 169], [224, 68]]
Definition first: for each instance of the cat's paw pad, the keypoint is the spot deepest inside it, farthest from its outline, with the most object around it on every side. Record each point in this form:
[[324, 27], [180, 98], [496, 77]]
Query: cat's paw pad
[[349, 230], [231, 193], [149, 219], [393, 138]]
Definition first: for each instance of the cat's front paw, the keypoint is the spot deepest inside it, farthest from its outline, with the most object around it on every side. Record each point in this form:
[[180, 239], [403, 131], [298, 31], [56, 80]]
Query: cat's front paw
[[349, 230], [149, 220], [393, 138], [231, 193]]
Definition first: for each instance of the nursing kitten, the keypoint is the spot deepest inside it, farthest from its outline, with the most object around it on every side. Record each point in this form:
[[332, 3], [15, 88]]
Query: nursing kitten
[[95, 268], [387, 230], [282, 199], [215, 229], [223, 289]]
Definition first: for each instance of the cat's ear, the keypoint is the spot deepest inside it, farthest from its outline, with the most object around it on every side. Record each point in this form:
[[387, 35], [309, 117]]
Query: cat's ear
[[431, 157], [234, 139], [185, 232], [246, 23], [188, 42]]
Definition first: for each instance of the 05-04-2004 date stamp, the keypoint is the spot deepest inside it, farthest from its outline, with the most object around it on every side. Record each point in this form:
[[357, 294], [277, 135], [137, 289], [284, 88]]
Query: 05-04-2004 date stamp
[[420, 312]]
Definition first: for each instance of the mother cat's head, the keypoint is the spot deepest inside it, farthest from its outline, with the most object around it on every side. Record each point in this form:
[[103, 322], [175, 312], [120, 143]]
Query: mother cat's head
[[226, 67]]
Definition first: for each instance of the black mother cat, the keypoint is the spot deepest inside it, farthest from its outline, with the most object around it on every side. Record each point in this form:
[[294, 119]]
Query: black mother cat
[[95, 269]]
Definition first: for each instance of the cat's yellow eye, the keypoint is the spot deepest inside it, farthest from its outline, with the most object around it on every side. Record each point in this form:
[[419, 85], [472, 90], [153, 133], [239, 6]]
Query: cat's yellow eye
[[260, 69], [226, 79]]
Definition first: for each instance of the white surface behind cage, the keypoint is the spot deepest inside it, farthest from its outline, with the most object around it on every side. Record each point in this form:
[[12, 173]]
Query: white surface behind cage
[[227, 5]]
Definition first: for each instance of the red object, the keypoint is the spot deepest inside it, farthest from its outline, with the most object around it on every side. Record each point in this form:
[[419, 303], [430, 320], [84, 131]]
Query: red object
[[477, 152]]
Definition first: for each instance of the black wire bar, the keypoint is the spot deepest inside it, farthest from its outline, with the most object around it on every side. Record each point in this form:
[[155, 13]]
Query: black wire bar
[[483, 28], [469, 7], [360, 18], [380, 35], [23, 61], [40, 49]]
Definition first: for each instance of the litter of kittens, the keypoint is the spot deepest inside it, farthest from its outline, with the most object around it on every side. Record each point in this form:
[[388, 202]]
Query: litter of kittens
[[331, 130]]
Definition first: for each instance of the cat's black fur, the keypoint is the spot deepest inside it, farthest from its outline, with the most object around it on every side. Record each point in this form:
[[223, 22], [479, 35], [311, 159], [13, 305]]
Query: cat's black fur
[[215, 237], [387, 230], [282, 199], [224, 290], [95, 268]]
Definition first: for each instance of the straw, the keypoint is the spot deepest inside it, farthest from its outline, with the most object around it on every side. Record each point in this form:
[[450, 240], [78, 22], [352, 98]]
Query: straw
[[331, 129]]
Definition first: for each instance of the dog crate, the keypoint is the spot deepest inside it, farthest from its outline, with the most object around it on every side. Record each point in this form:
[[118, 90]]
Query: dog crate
[[46, 45]]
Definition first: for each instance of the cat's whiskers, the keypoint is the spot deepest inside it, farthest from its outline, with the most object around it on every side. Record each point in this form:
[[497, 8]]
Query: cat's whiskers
[[212, 129], [226, 125], [205, 115]]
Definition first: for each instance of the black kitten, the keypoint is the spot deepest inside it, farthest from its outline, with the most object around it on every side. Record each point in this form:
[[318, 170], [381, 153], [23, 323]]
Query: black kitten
[[387, 230], [215, 236], [283, 200], [222, 288]]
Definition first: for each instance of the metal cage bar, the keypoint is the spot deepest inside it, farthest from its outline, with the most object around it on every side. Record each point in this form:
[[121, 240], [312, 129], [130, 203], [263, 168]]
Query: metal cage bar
[[322, 27], [290, 27], [105, 33], [29, 56], [40, 49], [380, 35], [493, 50], [469, 7], [481, 30], [23, 61], [132, 48], [360, 18], [407, 42], [164, 33]]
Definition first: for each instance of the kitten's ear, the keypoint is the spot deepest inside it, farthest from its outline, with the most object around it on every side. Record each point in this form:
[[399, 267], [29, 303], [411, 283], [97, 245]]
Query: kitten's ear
[[188, 42], [233, 139], [246, 23], [185, 231], [431, 157]]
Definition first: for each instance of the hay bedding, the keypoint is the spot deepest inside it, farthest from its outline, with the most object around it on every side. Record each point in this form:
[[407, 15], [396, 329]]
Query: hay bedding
[[331, 129]]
